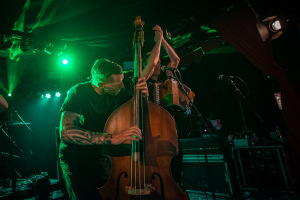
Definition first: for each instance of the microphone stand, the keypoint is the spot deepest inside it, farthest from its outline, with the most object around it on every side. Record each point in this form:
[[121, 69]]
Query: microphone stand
[[191, 103], [240, 96], [205, 124], [13, 109]]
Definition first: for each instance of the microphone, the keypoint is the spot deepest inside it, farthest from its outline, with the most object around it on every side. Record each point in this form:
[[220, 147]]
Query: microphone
[[164, 68], [223, 77]]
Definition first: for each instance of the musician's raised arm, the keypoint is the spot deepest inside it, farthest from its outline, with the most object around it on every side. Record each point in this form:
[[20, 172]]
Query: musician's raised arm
[[174, 58], [151, 59]]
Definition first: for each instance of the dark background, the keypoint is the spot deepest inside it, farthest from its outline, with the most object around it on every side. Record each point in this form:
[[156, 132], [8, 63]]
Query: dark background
[[92, 30]]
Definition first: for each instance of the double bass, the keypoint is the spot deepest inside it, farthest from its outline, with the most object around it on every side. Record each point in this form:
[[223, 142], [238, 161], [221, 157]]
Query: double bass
[[141, 169]]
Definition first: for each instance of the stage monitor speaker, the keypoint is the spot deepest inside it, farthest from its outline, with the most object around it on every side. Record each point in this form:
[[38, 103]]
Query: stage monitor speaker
[[262, 168], [195, 177]]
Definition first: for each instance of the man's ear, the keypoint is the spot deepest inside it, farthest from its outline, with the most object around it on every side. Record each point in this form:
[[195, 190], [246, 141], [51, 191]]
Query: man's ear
[[101, 77], [100, 85]]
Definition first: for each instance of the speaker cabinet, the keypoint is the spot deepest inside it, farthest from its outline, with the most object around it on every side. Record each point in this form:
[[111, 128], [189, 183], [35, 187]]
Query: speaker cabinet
[[262, 168], [195, 174]]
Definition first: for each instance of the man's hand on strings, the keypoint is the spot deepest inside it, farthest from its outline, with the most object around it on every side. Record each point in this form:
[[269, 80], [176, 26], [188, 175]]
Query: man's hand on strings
[[132, 133], [142, 85]]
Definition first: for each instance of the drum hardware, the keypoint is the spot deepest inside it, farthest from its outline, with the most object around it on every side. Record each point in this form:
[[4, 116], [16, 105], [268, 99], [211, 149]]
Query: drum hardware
[[9, 134], [38, 186]]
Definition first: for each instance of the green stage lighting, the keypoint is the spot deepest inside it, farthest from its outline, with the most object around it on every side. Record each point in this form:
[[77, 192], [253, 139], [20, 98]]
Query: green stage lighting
[[57, 94], [65, 61]]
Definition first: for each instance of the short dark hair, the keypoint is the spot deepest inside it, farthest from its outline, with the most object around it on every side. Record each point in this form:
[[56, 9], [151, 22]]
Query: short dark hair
[[106, 68]]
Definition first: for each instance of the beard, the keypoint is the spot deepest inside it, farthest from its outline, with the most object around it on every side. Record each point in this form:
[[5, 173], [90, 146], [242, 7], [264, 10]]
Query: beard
[[111, 91]]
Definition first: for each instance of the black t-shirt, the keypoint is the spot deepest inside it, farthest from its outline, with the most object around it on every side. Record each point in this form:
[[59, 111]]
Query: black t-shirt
[[93, 108]]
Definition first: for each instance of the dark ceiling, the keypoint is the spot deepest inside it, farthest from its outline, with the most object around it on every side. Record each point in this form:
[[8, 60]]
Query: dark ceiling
[[90, 29], [103, 25], [106, 26]]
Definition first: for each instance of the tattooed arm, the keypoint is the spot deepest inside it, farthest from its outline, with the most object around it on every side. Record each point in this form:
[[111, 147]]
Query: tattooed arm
[[71, 132]]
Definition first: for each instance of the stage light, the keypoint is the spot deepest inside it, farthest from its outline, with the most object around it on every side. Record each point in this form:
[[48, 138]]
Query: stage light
[[50, 49], [42, 96], [7, 44], [57, 94], [65, 61], [276, 26], [9, 94], [48, 96], [271, 27], [55, 49], [23, 47]]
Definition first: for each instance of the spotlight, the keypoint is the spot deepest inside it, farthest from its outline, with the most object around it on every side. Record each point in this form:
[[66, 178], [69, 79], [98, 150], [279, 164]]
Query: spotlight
[[275, 26], [57, 94], [50, 49], [48, 96], [65, 61], [9, 94], [271, 27]]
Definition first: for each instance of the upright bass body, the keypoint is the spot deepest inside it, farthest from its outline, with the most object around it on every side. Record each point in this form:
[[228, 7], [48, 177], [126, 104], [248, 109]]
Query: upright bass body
[[161, 144], [142, 169]]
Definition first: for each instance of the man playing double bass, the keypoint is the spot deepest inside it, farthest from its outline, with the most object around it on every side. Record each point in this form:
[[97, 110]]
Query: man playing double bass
[[83, 116]]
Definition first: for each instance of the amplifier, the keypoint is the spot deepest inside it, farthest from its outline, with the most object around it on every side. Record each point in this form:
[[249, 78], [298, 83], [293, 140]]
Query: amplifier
[[197, 146], [201, 158], [194, 173], [262, 168]]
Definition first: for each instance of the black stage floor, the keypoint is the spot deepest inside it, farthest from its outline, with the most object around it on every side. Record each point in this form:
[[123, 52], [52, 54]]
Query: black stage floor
[[27, 191]]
